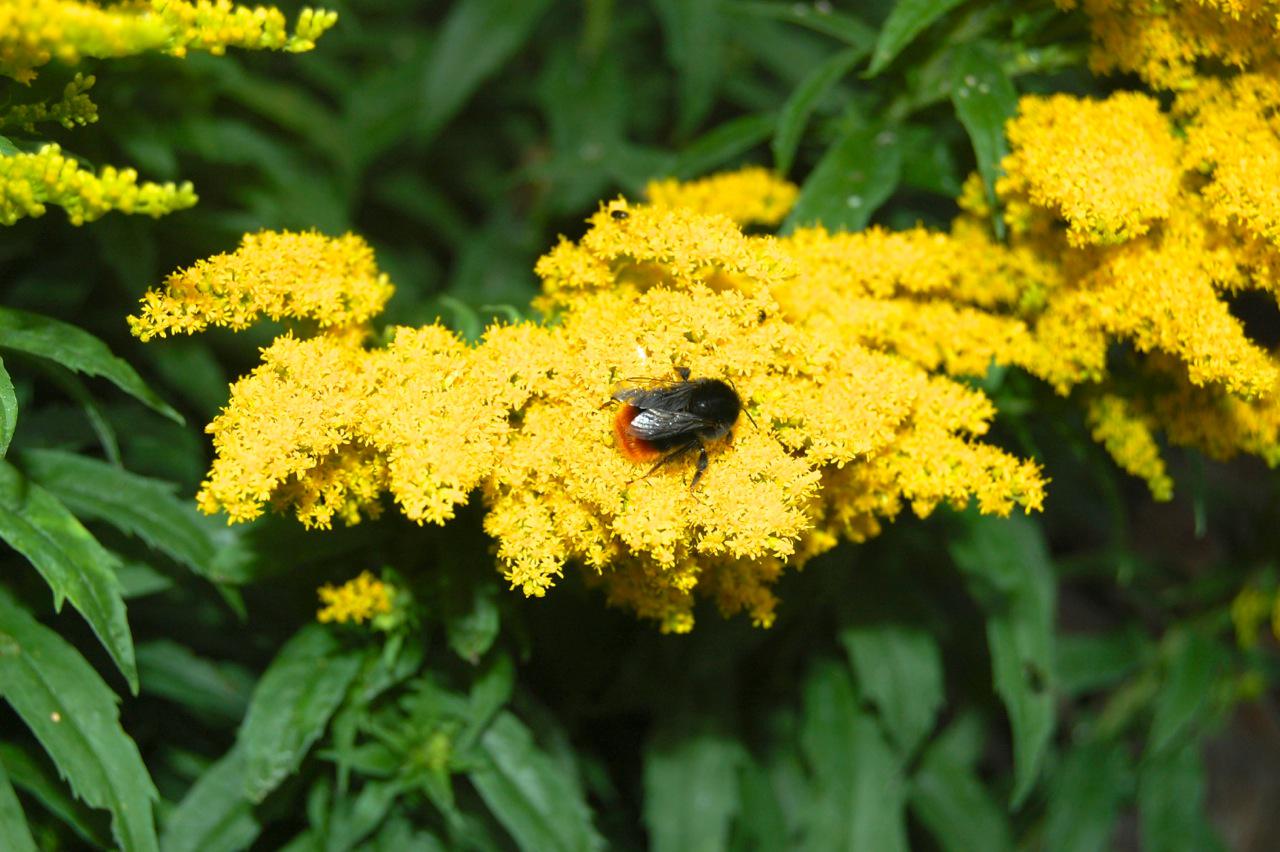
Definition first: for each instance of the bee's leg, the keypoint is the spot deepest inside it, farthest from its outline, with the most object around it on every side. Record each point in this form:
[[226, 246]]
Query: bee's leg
[[701, 467], [683, 373]]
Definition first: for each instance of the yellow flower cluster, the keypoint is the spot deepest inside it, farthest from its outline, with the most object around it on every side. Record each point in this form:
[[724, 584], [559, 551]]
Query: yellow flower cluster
[[750, 196], [331, 282], [355, 601], [75, 108], [36, 32], [1151, 220], [30, 181], [1166, 42], [842, 431]]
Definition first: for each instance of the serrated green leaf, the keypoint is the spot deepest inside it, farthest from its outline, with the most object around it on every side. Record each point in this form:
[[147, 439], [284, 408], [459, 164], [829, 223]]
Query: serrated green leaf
[[72, 386], [291, 706], [690, 787], [216, 691], [8, 410], [984, 99], [477, 38], [1171, 802], [490, 692], [1006, 565], [907, 20], [531, 795], [722, 144], [859, 794], [692, 34], [78, 351], [1085, 796], [1194, 664], [353, 818], [74, 716], [75, 566], [899, 669], [856, 175], [800, 105], [147, 508], [215, 814], [958, 810], [819, 17], [15, 834], [38, 777]]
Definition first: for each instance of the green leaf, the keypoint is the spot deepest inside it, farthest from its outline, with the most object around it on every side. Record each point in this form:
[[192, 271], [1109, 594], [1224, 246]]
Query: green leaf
[[77, 350], [75, 566], [15, 834], [8, 410], [899, 669], [1171, 802], [818, 17], [984, 99], [860, 793], [761, 823], [692, 30], [959, 812], [856, 175], [471, 624], [38, 777], [800, 105], [534, 797], [1085, 798], [74, 716], [1006, 564], [717, 147], [291, 706], [219, 692], [1194, 665], [1090, 662], [690, 787], [132, 504], [215, 814], [7, 148], [477, 38], [907, 20]]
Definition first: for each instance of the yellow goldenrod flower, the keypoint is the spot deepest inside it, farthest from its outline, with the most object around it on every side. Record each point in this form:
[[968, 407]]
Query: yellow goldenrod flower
[[1130, 441], [750, 196], [36, 32], [1249, 611], [1231, 136], [30, 181], [75, 108], [1109, 168], [355, 601], [1164, 42], [332, 281]]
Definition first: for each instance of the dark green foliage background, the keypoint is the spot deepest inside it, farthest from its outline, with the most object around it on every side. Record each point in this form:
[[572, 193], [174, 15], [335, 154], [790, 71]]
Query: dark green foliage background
[[957, 684]]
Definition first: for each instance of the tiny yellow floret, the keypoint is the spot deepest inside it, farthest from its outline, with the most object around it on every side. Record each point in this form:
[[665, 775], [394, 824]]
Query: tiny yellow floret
[[355, 601]]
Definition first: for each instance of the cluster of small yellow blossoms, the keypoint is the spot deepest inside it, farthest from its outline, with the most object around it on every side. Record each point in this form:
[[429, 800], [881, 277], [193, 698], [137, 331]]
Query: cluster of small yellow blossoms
[[1165, 42], [848, 421], [74, 109], [355, 601], [30, 181], [1149, 221], [1253, 608], [36, 32]]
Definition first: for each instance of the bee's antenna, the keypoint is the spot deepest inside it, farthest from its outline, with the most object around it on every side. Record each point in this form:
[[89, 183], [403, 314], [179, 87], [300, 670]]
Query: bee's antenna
[[734, 385]]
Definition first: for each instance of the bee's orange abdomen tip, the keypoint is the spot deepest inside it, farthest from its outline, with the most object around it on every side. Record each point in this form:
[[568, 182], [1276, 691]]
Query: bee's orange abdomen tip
[[635, 449]]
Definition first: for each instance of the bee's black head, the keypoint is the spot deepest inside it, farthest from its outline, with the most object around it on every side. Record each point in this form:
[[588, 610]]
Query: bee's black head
[[715, 400]]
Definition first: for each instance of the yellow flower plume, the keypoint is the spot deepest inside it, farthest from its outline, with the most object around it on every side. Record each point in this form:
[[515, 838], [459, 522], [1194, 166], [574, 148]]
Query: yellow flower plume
[[355, 601]]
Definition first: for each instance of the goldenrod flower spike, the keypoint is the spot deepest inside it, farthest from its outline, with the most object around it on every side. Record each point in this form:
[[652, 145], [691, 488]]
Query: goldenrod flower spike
[[36, 32], [29, 182], [1109, 168], [1129, 439], [332, 281], [355, 601], [75, 108], [750, 196]]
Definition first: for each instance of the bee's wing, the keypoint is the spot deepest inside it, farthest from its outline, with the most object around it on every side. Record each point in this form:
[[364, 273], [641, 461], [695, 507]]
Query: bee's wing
[[672, 397], [655, 424]]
